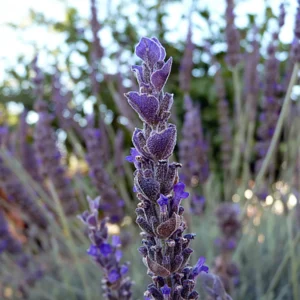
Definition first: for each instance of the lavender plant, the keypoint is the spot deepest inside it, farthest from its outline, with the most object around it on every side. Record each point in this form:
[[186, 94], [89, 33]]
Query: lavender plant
[[186, 64], [111, 205], [224, 124], [49, 159], [116, 284], [27, 153], [61, 100], [17, 194], [232, 36], [165, 249], [193, 148]]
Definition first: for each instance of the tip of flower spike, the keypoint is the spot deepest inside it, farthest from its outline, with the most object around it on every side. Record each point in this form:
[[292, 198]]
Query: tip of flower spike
[[94, 204]]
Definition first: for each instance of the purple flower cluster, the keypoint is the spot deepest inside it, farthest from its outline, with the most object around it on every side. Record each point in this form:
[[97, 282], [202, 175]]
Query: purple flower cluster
[[27, 154], [49, 159], [17, 194], [165, 248], [96, 52], [251, 78], [186, 64], [232, 36], [61, 99], [111, 204], [116, 283], [229, 223], [193, 148], [270, 106]]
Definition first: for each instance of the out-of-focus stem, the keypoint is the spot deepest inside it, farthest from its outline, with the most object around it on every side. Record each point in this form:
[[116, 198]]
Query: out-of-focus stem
[[247, 154], [281, 267], [237, 93], [294, 259], [69, 238], [278, 128]]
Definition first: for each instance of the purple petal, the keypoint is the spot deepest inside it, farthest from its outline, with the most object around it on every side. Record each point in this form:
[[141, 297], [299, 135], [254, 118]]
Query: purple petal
[[162, 49], [159, 78], [92, 251], [161, 145], [118, 255], [138, 70], [139, 142], [148, 51], [92, 220], [166, 290], [146, 106], [105, 249], [163, 200], [116, 241], [124, 269], [113, 276]]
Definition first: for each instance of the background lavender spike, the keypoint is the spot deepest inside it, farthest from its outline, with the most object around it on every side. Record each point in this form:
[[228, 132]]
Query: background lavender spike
[[27, 153], [186, 64], [49, 159], [193, 148], [118, 96], [232, 36], [116, 284], [38, 80], [251, 79], [165, 248], [61, 101], [228, 217], [96, 51], [270, 107], [111, 203], [17, 195], [118, 153]]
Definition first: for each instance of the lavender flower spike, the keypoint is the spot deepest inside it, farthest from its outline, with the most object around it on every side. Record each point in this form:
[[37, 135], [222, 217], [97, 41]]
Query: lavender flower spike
[[165, 248], [116, 283]]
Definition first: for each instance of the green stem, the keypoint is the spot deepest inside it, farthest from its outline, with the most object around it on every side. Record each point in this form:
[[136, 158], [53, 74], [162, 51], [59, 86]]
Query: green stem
[[278, 128], [294, 260], [281, 267], [237, 93], [69, 238]]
